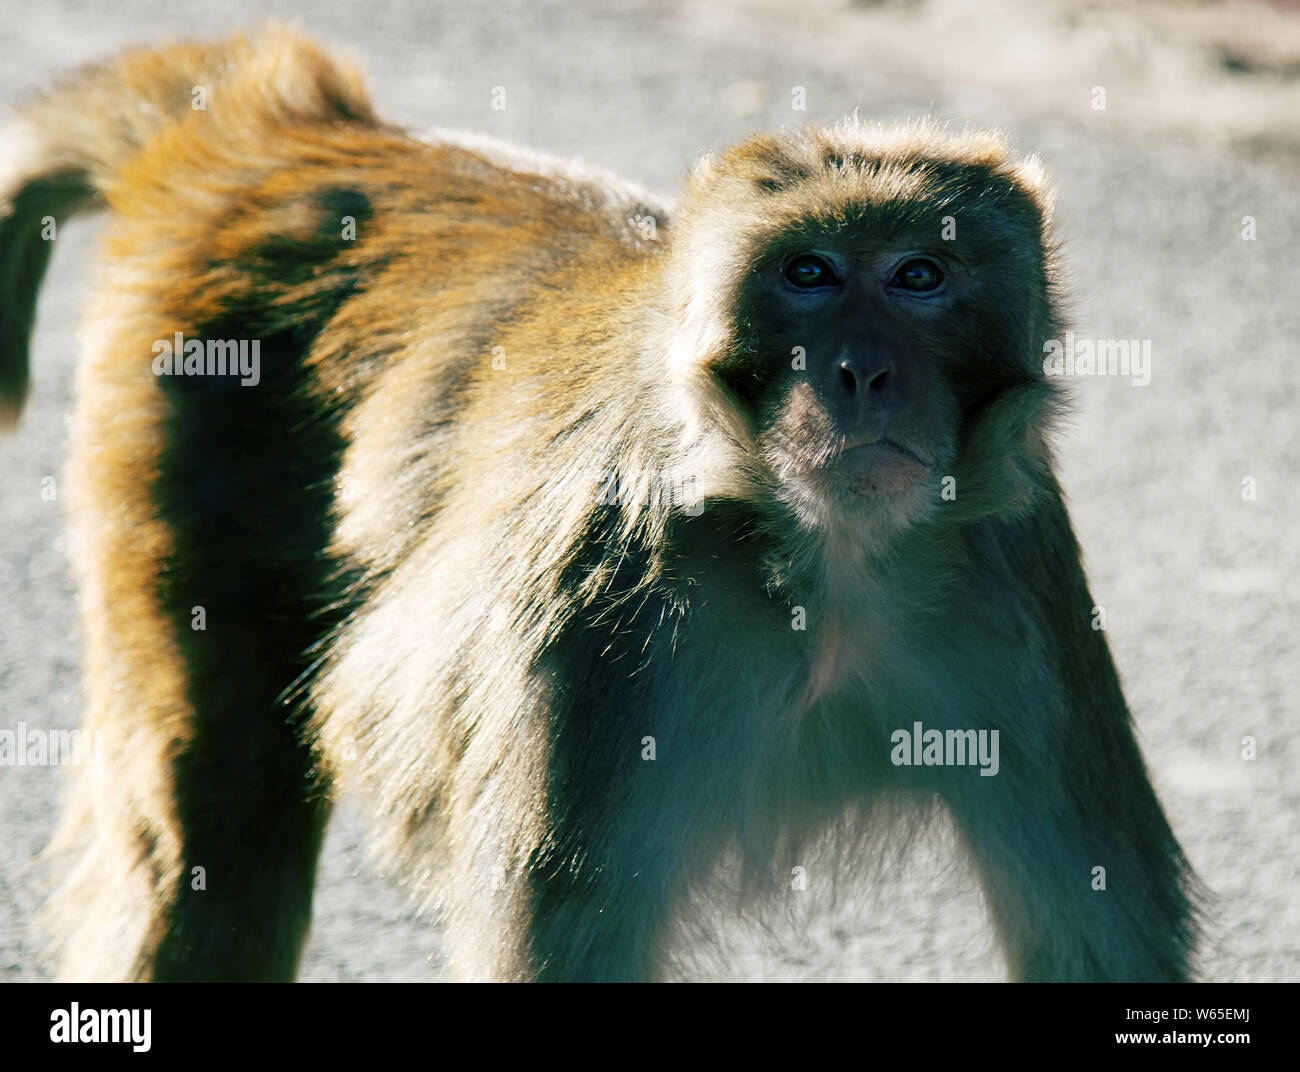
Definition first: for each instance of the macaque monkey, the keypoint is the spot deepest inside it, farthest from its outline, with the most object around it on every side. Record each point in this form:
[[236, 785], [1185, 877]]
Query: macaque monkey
[[596, 543]]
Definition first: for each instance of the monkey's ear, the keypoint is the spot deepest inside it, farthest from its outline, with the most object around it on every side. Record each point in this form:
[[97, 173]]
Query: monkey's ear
[[709, 263]]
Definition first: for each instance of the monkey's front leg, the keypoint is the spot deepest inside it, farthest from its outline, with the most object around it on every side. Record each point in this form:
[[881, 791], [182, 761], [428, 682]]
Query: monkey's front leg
[[1084, 878], [637, 758], [571, 870], [599, 915], [591, 903]]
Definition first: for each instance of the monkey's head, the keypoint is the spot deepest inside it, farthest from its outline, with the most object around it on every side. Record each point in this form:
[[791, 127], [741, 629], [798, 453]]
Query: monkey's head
[[860, 324]]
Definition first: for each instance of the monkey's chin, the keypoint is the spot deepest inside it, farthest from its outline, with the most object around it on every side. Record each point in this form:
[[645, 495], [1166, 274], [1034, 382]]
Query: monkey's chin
[[868, 495], [879, 468]]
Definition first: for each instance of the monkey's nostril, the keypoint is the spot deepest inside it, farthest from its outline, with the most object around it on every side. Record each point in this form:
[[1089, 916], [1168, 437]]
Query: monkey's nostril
[[847, 380]]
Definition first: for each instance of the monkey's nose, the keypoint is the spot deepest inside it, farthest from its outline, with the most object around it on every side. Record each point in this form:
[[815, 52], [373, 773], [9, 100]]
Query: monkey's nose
[[854, 380]]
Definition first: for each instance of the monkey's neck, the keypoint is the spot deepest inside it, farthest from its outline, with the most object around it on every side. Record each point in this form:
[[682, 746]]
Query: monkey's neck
[[828, 656]]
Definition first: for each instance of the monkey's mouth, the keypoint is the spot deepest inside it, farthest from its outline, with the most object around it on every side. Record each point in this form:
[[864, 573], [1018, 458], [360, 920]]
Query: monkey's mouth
[[881, 465]]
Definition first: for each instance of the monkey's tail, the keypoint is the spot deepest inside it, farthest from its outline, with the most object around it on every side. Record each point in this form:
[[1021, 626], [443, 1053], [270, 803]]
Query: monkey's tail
[[65, 150]]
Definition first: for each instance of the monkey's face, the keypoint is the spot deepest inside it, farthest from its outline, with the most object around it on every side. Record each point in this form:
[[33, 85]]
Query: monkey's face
[[845, 373], [871, 308]]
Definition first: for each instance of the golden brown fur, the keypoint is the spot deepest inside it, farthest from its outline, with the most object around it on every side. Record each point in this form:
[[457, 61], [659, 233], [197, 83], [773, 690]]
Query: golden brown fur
[[411, 582]]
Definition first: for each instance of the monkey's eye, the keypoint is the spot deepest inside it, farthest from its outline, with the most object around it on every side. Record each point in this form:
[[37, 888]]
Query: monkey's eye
[[918, 275], [808, 272]]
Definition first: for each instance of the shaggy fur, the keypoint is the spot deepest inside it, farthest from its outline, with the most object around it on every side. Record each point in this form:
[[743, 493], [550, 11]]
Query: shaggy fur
[[412, 581]]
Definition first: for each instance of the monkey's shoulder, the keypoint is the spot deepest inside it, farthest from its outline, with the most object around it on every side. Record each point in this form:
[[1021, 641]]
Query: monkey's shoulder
[[630, 212]]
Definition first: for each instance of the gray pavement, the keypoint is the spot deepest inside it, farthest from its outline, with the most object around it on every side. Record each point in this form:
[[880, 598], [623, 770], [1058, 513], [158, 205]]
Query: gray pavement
[[1202, 128]]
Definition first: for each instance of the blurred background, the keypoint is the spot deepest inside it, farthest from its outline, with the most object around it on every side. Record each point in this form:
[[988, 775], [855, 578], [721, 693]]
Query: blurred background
[[1200, 129]]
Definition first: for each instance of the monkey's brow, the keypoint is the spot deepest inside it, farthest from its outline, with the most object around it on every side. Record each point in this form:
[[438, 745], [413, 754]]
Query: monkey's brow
[[864, 229]]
